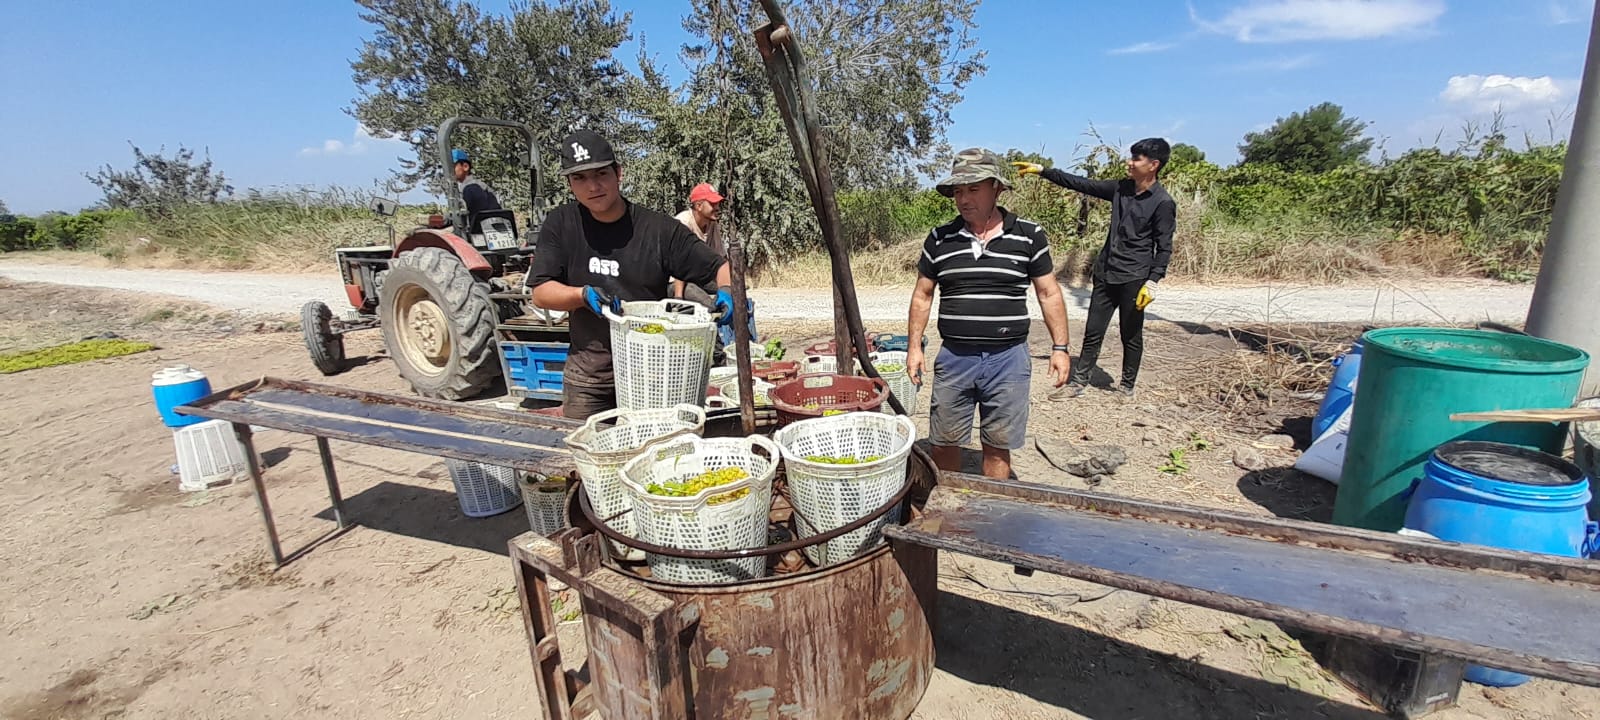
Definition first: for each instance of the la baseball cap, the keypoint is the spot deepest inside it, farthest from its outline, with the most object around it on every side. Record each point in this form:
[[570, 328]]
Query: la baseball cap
[[585, 150]]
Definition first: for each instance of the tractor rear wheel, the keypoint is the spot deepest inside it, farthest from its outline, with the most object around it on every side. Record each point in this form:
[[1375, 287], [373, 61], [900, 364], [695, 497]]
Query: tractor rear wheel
[[325, 347], [438, 323]]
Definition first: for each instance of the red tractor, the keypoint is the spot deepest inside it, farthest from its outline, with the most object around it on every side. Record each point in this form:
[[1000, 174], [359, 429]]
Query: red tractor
[[440, 294]]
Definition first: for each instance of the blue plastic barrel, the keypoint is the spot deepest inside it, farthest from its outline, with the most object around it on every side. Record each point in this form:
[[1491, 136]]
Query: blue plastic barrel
[[1502, 496], [1341, 391], [178, 385]]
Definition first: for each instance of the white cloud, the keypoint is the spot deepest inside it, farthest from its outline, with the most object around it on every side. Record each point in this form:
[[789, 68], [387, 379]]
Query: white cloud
[[362, 140], [1141, 48], [1564, 12], [1486, 93], [1294, 20]]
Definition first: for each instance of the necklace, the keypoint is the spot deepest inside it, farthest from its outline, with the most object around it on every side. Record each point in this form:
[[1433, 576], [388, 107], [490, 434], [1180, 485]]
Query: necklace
[[989, 228], [980, 240]]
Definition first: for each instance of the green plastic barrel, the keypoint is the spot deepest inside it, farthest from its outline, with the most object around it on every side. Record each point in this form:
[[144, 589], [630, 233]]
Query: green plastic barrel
[[1413, 379]]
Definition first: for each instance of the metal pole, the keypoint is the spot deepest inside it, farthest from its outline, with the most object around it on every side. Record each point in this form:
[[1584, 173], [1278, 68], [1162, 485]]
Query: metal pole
[[731, 241], [246, 438], [1568, 274], [334, 496]]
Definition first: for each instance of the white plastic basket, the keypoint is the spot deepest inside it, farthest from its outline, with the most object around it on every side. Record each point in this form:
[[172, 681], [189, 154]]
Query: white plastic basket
[[814, 364], [545, 501], [660, 370], [730, 390], [611, 438], [826, 496], [484, 490], [209, 454], [722, 374], [731, 355], [899, 380], [694, 523]]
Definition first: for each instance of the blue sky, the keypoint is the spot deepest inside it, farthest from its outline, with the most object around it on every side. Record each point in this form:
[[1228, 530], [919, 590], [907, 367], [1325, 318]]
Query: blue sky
[[263, 85]]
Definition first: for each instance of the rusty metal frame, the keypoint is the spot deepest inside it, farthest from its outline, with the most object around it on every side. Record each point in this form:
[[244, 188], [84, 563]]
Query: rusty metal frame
[[581, 500], [657, 688]]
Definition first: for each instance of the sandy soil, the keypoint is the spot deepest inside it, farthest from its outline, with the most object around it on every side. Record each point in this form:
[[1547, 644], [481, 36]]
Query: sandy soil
[[126, 598]]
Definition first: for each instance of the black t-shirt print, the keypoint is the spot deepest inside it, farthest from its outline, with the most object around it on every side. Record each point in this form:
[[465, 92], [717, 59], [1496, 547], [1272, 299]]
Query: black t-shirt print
[[631, 259]]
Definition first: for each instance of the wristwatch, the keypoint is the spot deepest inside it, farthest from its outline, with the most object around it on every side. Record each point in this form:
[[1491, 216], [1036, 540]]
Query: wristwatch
[[1061, 348]]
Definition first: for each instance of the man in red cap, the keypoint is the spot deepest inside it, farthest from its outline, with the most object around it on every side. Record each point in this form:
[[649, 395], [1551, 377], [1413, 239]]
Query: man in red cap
[[705, 204], [701, 217]]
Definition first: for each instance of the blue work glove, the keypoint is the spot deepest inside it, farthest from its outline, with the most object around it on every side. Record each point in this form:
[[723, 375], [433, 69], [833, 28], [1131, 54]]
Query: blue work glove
[[598, 300], [724, 306]]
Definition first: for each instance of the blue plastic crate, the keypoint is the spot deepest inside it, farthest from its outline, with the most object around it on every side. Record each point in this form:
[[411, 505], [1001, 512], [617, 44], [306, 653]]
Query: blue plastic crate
[[533, 368]]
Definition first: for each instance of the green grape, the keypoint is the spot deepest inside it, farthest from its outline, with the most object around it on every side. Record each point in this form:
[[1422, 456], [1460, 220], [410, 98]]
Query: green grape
[[712, 478], [846, 460]]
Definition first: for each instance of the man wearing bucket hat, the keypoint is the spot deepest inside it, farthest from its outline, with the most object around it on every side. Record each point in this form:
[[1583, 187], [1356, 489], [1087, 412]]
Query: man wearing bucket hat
[[1133, 259], [601, 250], [982, 263]]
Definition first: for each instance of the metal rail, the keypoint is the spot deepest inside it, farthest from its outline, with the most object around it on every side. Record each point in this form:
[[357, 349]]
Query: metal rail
[[454, 430], [1492, 607]]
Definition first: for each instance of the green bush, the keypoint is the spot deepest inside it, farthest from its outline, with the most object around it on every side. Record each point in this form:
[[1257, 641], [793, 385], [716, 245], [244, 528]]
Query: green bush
[[16, 232], [74, 232], [875, 218]]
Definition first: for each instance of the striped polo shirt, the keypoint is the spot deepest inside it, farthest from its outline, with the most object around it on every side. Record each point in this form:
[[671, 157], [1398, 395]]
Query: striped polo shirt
[[983, 288]]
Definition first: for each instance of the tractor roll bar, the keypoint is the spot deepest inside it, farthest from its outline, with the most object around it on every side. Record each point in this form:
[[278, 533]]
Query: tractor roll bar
[[448, 130]]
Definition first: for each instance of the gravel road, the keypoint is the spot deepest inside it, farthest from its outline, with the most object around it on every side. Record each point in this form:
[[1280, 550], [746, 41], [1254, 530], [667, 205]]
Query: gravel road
[[1430, 301]]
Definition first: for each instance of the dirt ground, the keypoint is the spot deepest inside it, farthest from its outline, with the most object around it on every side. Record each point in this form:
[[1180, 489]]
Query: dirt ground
[[126, 598]]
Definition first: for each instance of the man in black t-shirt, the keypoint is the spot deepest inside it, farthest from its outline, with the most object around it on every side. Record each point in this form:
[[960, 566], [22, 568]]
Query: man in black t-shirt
[[603, 250]]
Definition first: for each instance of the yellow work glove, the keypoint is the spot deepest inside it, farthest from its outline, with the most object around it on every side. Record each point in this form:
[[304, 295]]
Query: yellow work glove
[[1027, 168], [1145, 297]]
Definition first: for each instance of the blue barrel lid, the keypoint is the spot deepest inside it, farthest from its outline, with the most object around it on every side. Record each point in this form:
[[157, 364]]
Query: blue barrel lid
[[176, 375], [1512, 469]]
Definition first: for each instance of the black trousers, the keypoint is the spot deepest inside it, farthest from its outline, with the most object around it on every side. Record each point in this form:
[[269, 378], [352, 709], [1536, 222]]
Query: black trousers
[[1105, 299]]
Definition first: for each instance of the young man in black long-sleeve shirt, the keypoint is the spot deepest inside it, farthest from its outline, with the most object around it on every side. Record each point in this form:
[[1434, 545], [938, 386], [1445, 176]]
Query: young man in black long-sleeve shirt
[[1134, 258]]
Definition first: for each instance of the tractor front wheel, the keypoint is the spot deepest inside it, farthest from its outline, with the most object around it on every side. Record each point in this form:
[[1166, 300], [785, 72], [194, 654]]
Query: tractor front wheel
[[324, 345], [438, 323]]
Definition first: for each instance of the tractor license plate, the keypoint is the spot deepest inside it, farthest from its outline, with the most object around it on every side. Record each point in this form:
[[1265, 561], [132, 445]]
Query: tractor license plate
[[500, 240]]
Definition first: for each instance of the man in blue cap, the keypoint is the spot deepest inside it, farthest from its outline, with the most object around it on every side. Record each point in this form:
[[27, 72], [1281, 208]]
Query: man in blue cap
[[476, 195]]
